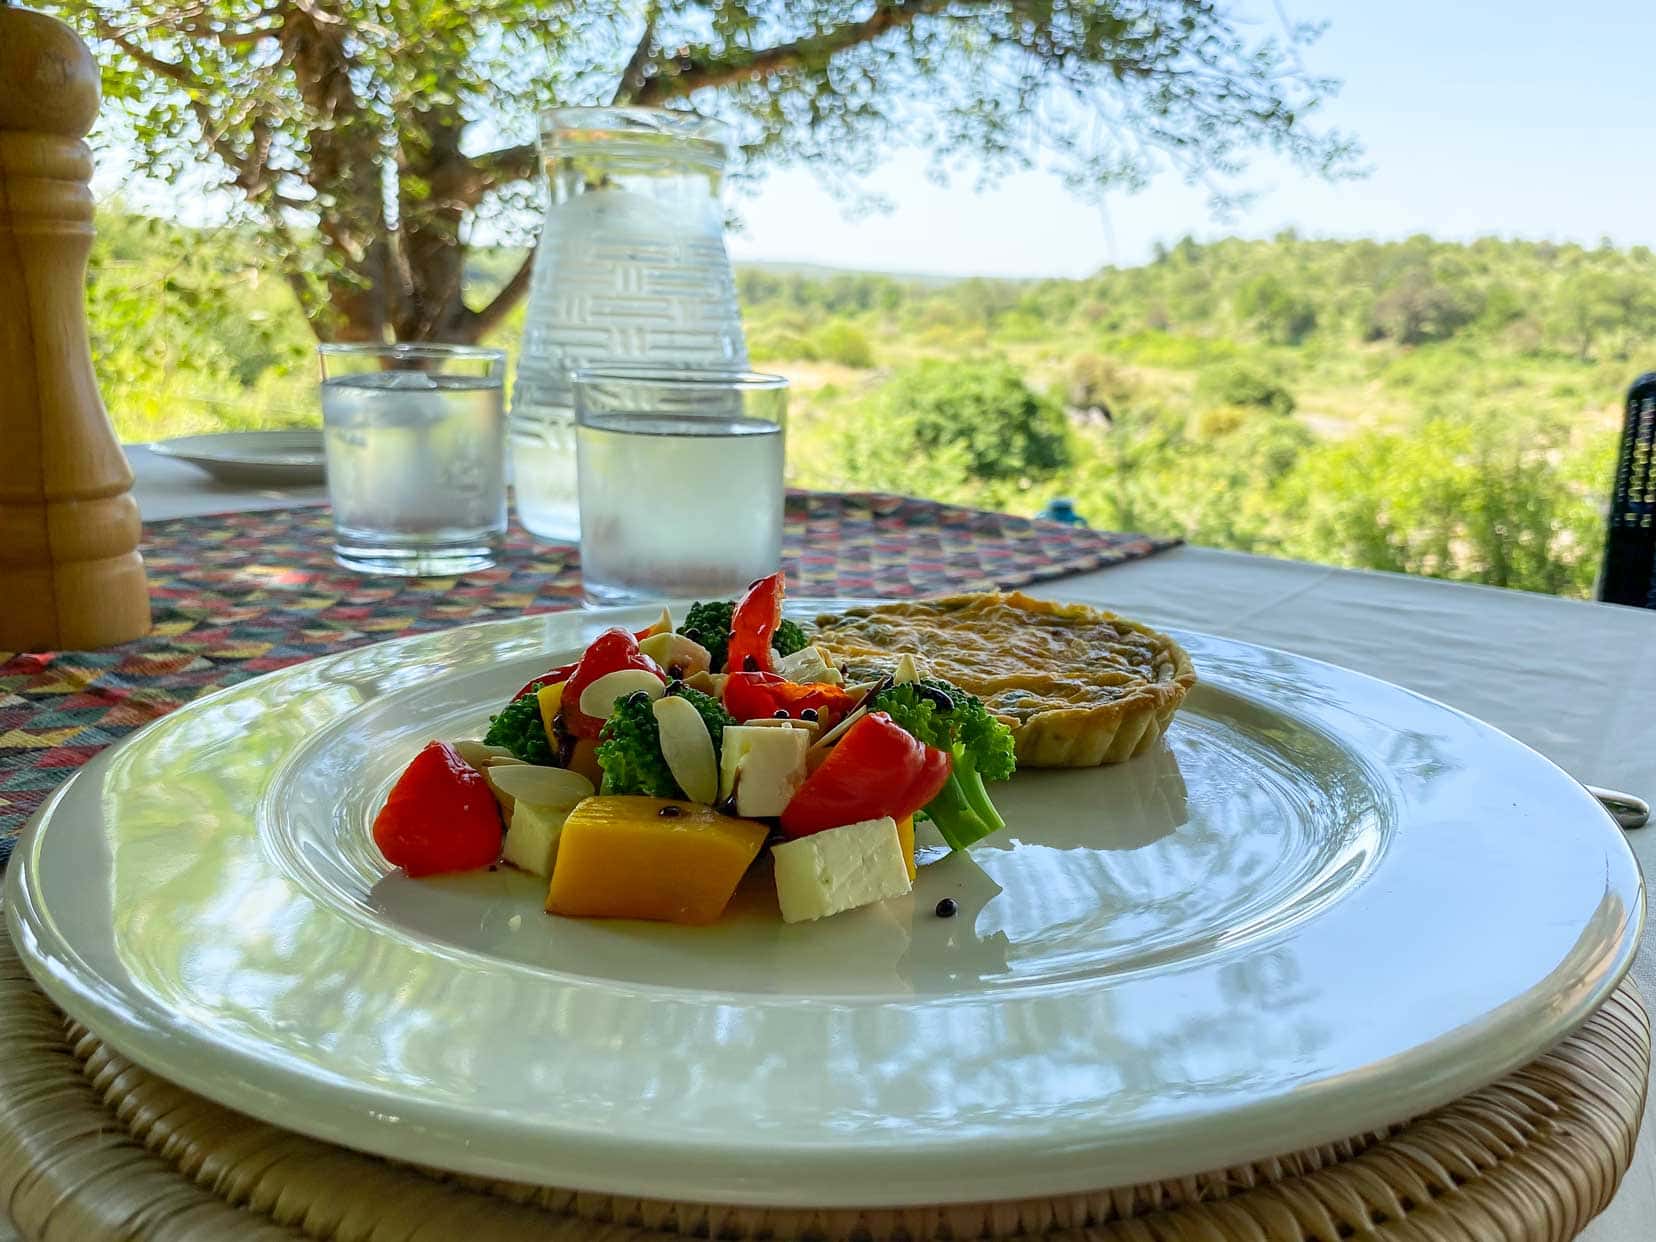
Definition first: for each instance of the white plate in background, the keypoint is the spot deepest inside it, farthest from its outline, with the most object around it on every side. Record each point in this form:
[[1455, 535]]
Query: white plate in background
[[269, 458]]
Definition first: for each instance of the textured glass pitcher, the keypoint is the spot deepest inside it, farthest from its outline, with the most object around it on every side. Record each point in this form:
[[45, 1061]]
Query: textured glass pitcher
[[631, 270]]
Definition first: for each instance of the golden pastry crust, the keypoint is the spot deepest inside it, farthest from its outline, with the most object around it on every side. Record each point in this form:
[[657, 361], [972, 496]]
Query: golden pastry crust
[[1078, 686]]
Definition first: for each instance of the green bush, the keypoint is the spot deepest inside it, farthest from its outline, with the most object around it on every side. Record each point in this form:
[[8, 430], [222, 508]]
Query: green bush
[[1281, 315], [1093, 382], [781, 346], [841, 343], [1237, 383], [980, 421], [1502, 502]]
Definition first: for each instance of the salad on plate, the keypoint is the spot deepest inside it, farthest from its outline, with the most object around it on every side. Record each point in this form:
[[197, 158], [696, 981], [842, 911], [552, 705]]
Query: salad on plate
[[644, 779]]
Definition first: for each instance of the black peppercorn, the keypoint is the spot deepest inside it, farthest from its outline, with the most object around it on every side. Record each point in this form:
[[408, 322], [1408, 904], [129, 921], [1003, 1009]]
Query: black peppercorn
[[670, 812], [810, 713], [780, 713], [947, 907]]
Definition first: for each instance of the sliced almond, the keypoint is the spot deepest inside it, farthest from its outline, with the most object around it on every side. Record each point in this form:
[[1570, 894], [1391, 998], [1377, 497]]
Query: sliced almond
[[507, 803], [478, 754], [679, 656], [538, 786], [838, 731], [688, 748], [598, 699], [905, 671]]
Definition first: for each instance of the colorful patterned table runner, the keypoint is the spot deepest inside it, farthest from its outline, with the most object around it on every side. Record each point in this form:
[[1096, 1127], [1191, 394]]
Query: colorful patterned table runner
[[240, 594]]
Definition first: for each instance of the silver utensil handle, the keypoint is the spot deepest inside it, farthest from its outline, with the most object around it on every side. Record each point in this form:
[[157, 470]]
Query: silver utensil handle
[[1625, 809]]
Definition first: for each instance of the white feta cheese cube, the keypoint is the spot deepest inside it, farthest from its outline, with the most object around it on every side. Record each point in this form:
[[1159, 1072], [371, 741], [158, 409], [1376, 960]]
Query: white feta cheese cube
[[840, 869], [763, 767], [532, 839], [809, 664]]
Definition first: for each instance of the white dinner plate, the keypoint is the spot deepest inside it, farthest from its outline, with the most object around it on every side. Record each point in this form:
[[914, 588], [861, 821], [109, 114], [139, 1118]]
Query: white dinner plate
[[1322, 904], [271, 458]]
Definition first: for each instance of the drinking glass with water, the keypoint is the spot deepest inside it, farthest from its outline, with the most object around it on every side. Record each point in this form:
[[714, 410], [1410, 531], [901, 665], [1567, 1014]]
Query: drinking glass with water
[[416, 448], [680, 476]]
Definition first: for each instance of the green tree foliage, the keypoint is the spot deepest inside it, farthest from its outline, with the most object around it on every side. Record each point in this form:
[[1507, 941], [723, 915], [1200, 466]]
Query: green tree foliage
[[1282, 315], [1479, 500], [1414, 308], [977, 422], [1484, 457], [364, 139], [184, 334]]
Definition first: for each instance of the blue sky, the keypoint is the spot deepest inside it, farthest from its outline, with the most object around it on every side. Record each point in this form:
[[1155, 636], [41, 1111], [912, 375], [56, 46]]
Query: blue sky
[[1504, 117]]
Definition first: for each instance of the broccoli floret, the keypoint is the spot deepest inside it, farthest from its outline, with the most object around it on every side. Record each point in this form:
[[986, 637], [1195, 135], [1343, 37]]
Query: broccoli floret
[[712, 713], [945, 716], [629, 751], [709, 625], [518, 727], [789, 638]]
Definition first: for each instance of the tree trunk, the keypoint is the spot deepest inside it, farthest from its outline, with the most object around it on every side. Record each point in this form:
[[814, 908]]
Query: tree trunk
[[346, 154]]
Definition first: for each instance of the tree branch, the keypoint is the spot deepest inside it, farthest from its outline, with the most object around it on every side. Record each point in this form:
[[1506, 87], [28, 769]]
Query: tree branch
[[292, 271], [165, 68], [241, 38], [494, 168], [688, 71], [489, 318], [638, 64]]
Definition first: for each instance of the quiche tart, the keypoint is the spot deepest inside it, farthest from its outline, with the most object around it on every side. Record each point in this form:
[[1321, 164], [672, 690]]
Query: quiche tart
[[1077, 685]]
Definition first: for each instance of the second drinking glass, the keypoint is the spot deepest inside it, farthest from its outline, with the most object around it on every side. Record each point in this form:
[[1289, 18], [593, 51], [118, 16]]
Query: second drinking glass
[[416, 444], [680, 476]]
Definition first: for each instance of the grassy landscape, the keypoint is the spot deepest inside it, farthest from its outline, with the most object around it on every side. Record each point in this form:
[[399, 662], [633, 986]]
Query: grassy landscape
[[1421, 406]]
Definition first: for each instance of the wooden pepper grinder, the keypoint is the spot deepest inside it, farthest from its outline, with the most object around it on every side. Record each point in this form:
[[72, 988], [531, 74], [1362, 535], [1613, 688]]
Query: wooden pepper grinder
[[70, 574]]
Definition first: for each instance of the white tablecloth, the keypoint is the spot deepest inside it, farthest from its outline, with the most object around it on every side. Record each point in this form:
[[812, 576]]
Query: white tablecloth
[[1576, 681]]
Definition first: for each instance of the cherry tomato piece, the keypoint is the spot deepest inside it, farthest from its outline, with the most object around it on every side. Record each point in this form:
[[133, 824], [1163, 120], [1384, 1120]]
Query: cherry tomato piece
[[616, 648], [441, 816]]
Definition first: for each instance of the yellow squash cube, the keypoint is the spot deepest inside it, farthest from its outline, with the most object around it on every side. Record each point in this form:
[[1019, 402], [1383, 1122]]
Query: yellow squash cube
[[905, 839], [550, 700], [650, 858]]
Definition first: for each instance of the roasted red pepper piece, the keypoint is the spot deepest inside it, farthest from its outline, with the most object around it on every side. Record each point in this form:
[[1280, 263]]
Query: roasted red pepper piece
[[616, 648], [441, 816], [752, 626], [752, 696], [550, 677], [878, 768]]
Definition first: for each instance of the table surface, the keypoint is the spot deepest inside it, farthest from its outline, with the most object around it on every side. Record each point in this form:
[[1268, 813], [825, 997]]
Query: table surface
[[1574, 680]]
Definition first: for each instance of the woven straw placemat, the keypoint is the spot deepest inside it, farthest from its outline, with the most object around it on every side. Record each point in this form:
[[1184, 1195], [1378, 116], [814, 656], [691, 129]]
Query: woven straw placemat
[[94, 1149]]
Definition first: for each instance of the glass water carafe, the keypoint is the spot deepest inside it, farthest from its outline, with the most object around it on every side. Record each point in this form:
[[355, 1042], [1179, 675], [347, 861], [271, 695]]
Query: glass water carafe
[[631, 270]]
